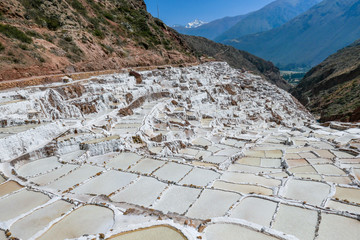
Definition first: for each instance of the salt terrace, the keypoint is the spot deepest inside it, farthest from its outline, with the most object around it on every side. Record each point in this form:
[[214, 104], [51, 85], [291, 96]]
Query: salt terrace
[[202, 152]]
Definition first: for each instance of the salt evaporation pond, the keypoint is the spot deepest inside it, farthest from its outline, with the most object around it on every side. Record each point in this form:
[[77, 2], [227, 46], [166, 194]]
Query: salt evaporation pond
[[152, 233], [198, 152]]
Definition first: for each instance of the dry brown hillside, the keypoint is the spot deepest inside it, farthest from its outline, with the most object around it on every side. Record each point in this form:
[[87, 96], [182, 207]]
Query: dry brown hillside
[[39, 37], [331, 90]]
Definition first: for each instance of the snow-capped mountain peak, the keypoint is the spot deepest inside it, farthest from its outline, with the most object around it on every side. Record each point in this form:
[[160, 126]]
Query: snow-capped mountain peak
[[195, 24]]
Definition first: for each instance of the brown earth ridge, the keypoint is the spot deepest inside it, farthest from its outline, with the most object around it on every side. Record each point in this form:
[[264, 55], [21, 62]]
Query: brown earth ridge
[[331, 90]]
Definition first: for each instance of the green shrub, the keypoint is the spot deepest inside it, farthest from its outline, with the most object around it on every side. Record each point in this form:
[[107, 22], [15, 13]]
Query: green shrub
[[1, 47], [107, 49], [95, 6], [13, 32], [34, 11], [118, 41], [37, 56], [34, 34], [49, 38], [98, 33], [79, 7], [41, 59], [144, 45], [95, 22], [23, 46], [16, 60], [32, 3], [68, 38], [167, 45], [109, 16], [74, 53], [52, 23]]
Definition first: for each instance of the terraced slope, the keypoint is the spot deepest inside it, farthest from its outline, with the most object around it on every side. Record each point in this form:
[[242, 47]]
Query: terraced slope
[[177, 153], [237, 59], [332, 89]]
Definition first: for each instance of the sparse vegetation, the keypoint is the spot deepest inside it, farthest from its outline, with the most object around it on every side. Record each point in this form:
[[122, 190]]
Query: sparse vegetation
[[23, 46], [109, 16], [73, 52], [34, 34], [68, 38], [2, 48], [49, 37], [98, 33], [38, 57], [96, 28], [139, 26], [35, 12], [107, 49], [79, 7], [13, 32], [331, 89]]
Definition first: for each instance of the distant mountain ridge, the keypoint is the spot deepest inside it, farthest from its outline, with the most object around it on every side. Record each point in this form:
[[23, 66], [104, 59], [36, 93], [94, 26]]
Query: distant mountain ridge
[[309, 38], [195, 24], [332, 89], [212, 29], [268, 17], [271, 16]]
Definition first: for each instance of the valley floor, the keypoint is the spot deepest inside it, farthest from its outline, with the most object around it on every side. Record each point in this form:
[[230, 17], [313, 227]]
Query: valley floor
[[202, 152]]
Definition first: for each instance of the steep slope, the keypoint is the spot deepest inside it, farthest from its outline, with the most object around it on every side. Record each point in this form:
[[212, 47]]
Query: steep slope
[[309, 38], [271, 16], [332, 89], [212, 29], [40, 37], [237, 59]]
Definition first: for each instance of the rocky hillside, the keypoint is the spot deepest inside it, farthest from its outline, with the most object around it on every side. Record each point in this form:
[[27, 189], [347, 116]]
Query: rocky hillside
[[271, 16], [332, 89], [237, 59], [40, 37], [308, 39]]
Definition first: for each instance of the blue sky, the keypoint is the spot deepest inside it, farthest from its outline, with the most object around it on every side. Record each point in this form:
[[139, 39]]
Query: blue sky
[[184, 11]]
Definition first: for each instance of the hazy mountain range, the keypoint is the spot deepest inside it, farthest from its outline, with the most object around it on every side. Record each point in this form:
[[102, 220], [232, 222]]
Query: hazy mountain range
[[212, 29], [268, 17], [309, 38], [271, 16], [293, 34]]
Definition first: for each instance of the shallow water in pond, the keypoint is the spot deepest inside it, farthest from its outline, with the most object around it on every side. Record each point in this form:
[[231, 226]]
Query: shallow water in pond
[[151, 233]]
